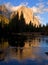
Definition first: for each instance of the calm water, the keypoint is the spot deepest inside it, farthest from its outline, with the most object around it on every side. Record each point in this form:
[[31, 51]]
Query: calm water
[[24, 50]]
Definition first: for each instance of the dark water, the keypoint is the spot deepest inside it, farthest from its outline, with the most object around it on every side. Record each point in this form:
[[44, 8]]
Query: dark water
[[22, 50]]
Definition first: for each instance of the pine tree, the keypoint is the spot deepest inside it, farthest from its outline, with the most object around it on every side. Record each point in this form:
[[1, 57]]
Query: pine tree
[[13, 25], [22, 23]]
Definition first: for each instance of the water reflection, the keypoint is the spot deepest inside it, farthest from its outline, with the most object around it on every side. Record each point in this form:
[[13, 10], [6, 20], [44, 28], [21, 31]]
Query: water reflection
[[17, 41], [3, 46], [22, 47]]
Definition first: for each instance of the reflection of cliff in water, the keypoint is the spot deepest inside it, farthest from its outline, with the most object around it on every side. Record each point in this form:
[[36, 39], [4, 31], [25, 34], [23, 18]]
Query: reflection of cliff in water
[[17, 42], [21, 47]]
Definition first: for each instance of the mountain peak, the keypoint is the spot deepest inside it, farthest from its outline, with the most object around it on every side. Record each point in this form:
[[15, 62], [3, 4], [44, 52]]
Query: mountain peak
[[28, 15]]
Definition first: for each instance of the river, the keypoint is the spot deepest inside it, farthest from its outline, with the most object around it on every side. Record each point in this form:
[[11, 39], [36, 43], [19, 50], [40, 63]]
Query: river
[[24, 50]]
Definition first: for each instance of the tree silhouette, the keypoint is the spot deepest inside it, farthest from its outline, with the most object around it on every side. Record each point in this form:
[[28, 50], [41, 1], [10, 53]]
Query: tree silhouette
[[22, 23], [18, 26], [13, 25], [46, 29], [31, 27], [0, 28]]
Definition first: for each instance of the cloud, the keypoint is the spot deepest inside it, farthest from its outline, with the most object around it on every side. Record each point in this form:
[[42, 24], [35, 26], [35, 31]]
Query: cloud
[[14, 8], [40, 8], [11, 7], [37, 10], [47, 3], [24, 4], [46, 9]]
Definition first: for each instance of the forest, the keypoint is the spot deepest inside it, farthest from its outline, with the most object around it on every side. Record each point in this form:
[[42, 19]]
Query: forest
[[17, 25]]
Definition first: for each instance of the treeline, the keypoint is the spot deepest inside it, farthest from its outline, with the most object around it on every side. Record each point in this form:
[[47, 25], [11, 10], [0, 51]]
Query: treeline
[[18, 25]]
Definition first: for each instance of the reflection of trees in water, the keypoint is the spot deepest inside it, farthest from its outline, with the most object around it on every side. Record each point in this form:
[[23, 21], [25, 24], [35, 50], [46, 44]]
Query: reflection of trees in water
[[3, 47], [17, 42], [34, 40], [21, 51], [2, 55]]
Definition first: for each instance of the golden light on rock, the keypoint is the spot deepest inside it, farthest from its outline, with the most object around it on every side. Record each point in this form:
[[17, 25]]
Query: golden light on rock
[[28, 15]]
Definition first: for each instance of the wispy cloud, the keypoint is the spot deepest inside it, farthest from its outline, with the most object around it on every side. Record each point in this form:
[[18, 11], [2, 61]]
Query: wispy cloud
[[14, 8], [37, 10], [11, 7], [40, 8], [47, 3], [24, 4]]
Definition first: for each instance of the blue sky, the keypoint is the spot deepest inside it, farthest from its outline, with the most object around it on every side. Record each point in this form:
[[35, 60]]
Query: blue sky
[[40, 7], [17, 2]]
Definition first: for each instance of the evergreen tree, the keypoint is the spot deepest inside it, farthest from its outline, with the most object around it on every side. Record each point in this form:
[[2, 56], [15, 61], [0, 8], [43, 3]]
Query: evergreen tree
[[46, 29], [31, 27], [13, 25], [22, 23]]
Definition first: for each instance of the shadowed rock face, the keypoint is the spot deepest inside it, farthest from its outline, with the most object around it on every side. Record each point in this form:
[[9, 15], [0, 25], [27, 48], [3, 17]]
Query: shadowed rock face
[[28, 15]]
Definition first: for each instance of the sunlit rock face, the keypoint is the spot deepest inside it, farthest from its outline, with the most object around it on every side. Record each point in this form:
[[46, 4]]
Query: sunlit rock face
[[4, 19], [4, 14], [4, 11], [3, 8], [28, 15]]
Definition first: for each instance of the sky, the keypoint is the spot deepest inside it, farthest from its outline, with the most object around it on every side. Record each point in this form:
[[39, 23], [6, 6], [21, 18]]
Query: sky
[[40, 7]]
